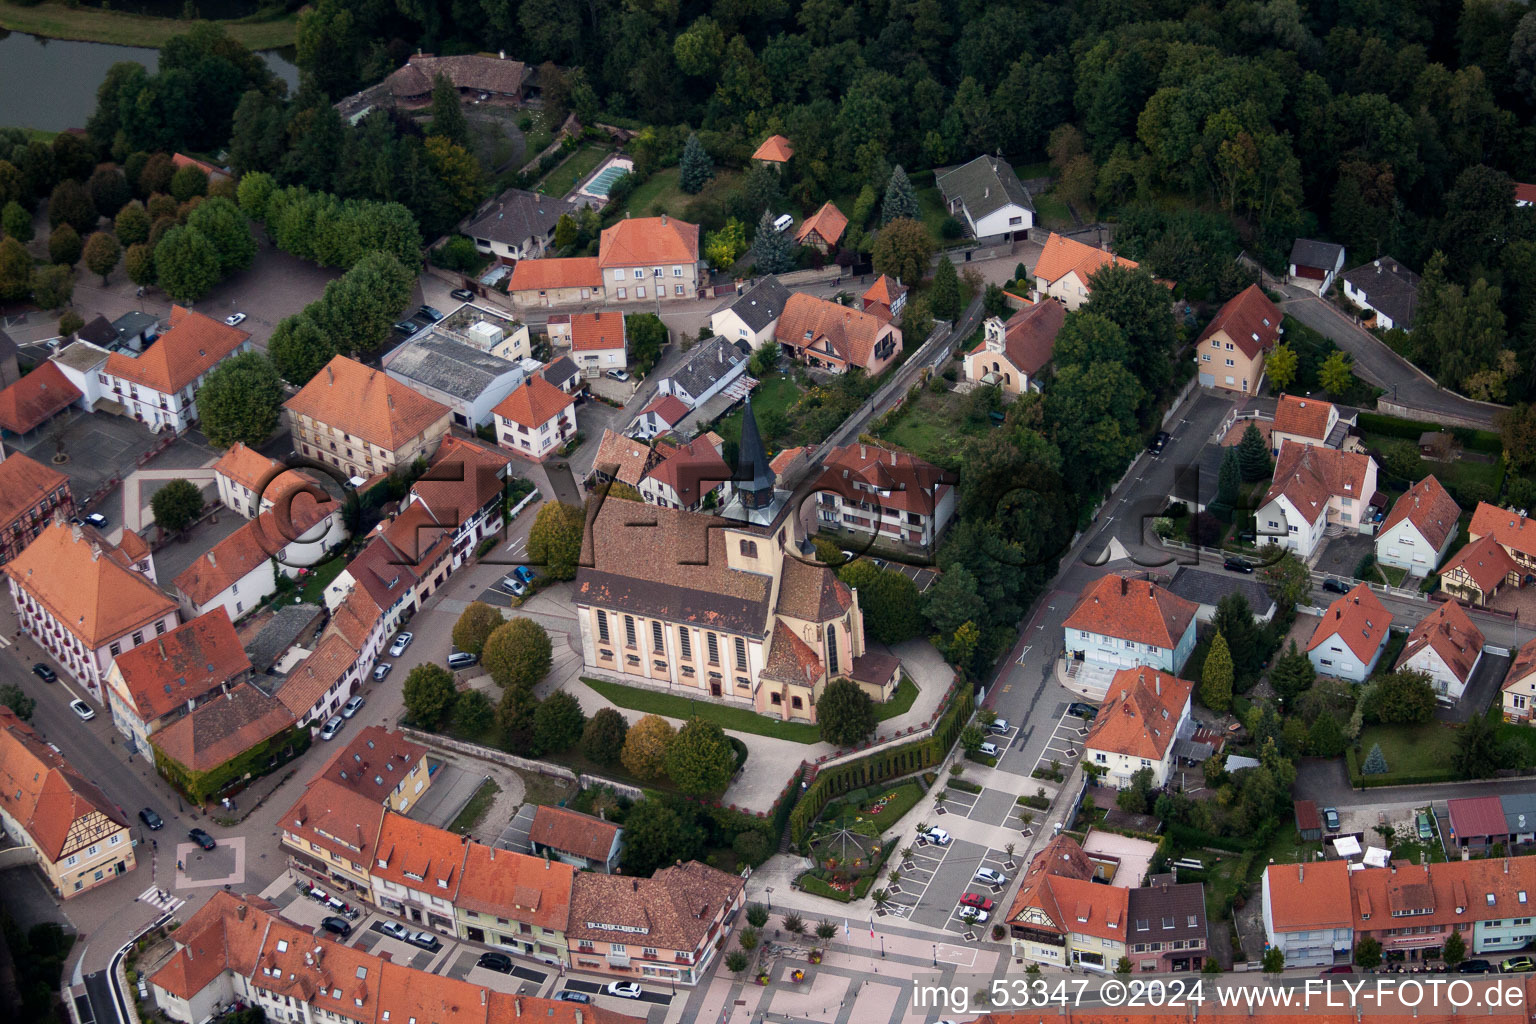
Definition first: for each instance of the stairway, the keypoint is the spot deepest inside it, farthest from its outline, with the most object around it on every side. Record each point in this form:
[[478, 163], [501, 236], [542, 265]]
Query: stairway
[[807, 776]]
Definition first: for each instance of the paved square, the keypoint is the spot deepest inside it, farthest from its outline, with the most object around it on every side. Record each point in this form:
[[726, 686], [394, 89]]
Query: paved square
[[995, 807], [223, 865]]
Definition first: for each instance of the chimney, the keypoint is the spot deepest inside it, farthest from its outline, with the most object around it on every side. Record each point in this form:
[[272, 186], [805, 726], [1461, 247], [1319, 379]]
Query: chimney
[[211, 560], [863, 452], [1125, 586], [502, 54], [517, 1005], [663, 220], [161, 644], [390, 399], [240, 912], [1301, 872], [330, 375], [1157, 683]]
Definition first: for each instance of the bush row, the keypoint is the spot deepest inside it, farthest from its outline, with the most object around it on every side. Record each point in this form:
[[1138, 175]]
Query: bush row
[[1485, 441]]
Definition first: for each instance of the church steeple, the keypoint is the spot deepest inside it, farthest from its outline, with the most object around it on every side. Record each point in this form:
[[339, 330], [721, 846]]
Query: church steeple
[[754, 477]]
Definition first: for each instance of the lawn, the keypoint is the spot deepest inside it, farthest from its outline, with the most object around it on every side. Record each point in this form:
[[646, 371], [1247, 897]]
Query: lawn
[[474, 811], [1051, 213], [1392, 574], [736, 719], [931, 208], [1521, 737], [575, 167], [901, 703], [320, 577], [661, 193], [774, 393], [934, 427], [58, 20], [898, 801], [1422, 753]]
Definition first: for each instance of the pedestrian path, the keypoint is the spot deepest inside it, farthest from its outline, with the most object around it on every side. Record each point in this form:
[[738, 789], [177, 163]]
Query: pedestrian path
[[143, 483]]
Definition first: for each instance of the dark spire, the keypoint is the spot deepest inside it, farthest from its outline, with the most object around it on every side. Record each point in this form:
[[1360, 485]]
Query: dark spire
[[754, 477]]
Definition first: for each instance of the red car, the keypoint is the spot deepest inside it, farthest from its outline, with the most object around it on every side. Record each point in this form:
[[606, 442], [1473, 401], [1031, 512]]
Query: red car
[[976, 900]]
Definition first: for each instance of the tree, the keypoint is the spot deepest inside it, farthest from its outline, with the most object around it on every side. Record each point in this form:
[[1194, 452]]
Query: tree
[[1335, 375], [1454, 950], [187, 182], [428, 694], [724, 247], [475, 624], [1517, 431], [658, 833], [1253, 456], [903, 250], [101, 255], [473, 713], [1274, 960], [750, 937], [1292, 675], [220, 221], [1325, 738], [557, 723], [1404, 697], [1375, 762], [15, 698], [1124, 967], [53, 286], [944, 292], [1290, 578], [448, 120], [845, 713], [1280, 366], [16, 221], [554, 541], [695, 168], [736, 961], [757, 915], [1216, 676], [109, 190], [177, 505], [773, 250], [647, 335], [900, 201], [299, 348], [1477, 749], [517, 654], [514, 716], [1368, 953], [890, 600], [64, 247], [240, 400], [1139, 306], [602, 741], [1228, 481], [1137, 797], [186, 264], [15, 270], [645, 747], [71, 321], [1235, 622], [71, 204], [700, 760], [139, 263]]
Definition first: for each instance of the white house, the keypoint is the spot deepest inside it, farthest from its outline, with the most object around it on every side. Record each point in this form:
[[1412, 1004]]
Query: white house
[[517, 225], [249, 483], [660, 417], [1314, 488], [1315, 264], [1309, 912], [536, 419], [1143, 712], [1307, 421], [597, 340], [712, 367], [1122, 623], [416, 872], [1386, 289], [463, 487], [1065, 268], [987, 197], [887, 495], [465, 379], [1351, 635], [1420, 529], [82, 364], [1446, 645], [688, 474], [752, 315], [158, 386], [156, 683]]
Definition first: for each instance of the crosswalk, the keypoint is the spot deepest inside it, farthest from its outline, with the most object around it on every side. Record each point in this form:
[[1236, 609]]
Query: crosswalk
[[160, 899]]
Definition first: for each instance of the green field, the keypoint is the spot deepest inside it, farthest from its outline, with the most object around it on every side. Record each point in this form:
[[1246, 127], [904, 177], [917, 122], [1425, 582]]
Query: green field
[[898, 801], [1051, 213], [475, 810], [58, 20], [934, 428], [661, 193], [930, 202], [901, 703], [1422, 753], [576, 167], [774, 392], [735, 719], [320, 577]]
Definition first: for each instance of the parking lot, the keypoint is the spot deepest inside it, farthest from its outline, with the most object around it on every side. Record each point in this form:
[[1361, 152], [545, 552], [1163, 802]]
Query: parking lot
[[1065, 745], [935, 879]]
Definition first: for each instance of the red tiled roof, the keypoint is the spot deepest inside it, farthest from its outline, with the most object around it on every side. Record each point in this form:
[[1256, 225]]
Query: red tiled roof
[[225, 934], [647, 241], [828, 223], [1129, 609], [534, 404], [692, 469], [518, 887], [1249, 320], [242, 552], [668, 408], [913, 485], [1483, 560], [852, 333], [597, 332], [573, 832], [34, 398], [360, 400], [1512, 530], [1062, 860], [24, 482], [675, 908], [182, 665], [419, 856], [1304, 417], [790, 659], [1061, 256], [1030, 335], [1525, 193], [42, 793], [1430, 508], [374, 762], [192, 346], [1305, 897], [1359, 618], [310, 680], [247, 467], [1449, 633], [338, 818], [462, 478], [556, 272], [1309, 476], [885, 291], [775, 149], [221, 729], [1477, 816], [1140, 714]]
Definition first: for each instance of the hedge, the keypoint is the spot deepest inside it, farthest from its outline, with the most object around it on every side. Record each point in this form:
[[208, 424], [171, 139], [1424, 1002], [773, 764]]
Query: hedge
[[882, 765], [964, 786], [819, 887], [1485, 441]]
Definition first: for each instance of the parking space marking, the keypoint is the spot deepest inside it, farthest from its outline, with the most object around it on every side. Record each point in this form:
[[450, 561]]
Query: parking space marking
[[924, 851], [1065, 743]]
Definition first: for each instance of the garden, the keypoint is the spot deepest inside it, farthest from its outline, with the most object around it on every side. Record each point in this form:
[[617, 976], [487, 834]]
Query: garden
[[934, 423]]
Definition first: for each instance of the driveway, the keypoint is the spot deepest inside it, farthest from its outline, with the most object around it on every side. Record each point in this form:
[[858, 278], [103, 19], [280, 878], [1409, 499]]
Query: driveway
[[1481, 689], [1340, 556]]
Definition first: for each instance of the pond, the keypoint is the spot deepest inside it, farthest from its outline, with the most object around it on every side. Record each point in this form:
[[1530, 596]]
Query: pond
[[50, 84]]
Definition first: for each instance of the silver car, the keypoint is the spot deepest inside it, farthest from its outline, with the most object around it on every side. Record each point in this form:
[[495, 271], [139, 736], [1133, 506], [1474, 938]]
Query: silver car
[[332, 727]]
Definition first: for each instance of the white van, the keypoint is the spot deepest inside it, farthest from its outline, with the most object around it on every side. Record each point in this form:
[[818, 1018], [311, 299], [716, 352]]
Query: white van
[[783, 222]]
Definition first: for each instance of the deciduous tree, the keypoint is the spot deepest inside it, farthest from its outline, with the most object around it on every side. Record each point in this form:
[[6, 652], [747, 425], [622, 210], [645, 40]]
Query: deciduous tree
[[221, 222], [1404, 697], [240, 400], [109, 190], [659, 833], [1478, 754], [139, 263], [428, 694], [903, 250], [299, 349], [645, 747], [602, 741], [557, 723], [15, 270], [186, 264], [517, 653], [16, 222], [64, 246], [15, 698], [1336, 375], [647, 335], [700, 760], [845, 713], [475, 624], [53, 286], [132, 224], [187, 182], [101, 254], [71, 204], [889, 599], [554, 541], [176, 505]]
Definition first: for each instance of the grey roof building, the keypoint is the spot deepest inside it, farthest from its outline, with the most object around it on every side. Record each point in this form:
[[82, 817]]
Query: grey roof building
[[517, 224], [563, 374], [1207, 588], [711, 367], [1519, 812], [1308, 252], [98, 332], [464, 378], [1166, 927], [987, 195], [1195, 484], [288, 626], [1388, 288], [134, 327], [759, 306]]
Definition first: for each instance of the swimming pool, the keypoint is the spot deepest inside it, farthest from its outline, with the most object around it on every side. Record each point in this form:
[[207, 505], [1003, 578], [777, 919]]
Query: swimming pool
[[604, 179]]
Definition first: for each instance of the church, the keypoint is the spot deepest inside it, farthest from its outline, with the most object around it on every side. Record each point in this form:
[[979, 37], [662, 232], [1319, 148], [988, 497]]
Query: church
[[730, 606]]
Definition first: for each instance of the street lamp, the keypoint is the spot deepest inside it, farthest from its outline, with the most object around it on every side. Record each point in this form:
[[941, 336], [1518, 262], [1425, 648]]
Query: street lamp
[[769, 892], [935, 954]]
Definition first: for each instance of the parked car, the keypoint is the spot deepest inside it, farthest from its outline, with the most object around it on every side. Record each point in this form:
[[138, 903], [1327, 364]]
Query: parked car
[[1474, 967], [937, 836], [382, 670], [425, 940], [462, 294], [151, 820], [977, 900], [401, 643], [235, 319], [999, 727], [524, 573], [97, 520], [1158, 443], [1237, 565], [407, 327], [623, 989], [462, 659], [565, 995], [1331, 818], [1426, 827], [353, 706], [332, 727], [202, 838], [82, 709], [396, 930], [987, 749], [1335, 586], [495, 962], [1340, 969], [44, 673], [1517, 965], [974, 914], [991, 876], [618, 375], [1080, 710], [430, 312], [513, 585], [337, 925]]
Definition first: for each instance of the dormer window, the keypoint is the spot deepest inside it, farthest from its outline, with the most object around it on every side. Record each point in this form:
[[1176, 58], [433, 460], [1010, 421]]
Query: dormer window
[[1520, 895], [1491, 899], [282, 944]]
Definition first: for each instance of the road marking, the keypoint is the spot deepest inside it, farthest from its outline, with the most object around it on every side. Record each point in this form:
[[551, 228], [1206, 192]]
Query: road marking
[[1024, 653], [4, 643]]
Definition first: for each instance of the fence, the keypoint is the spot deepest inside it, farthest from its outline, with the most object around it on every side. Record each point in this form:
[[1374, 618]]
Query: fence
[[802, 277]]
